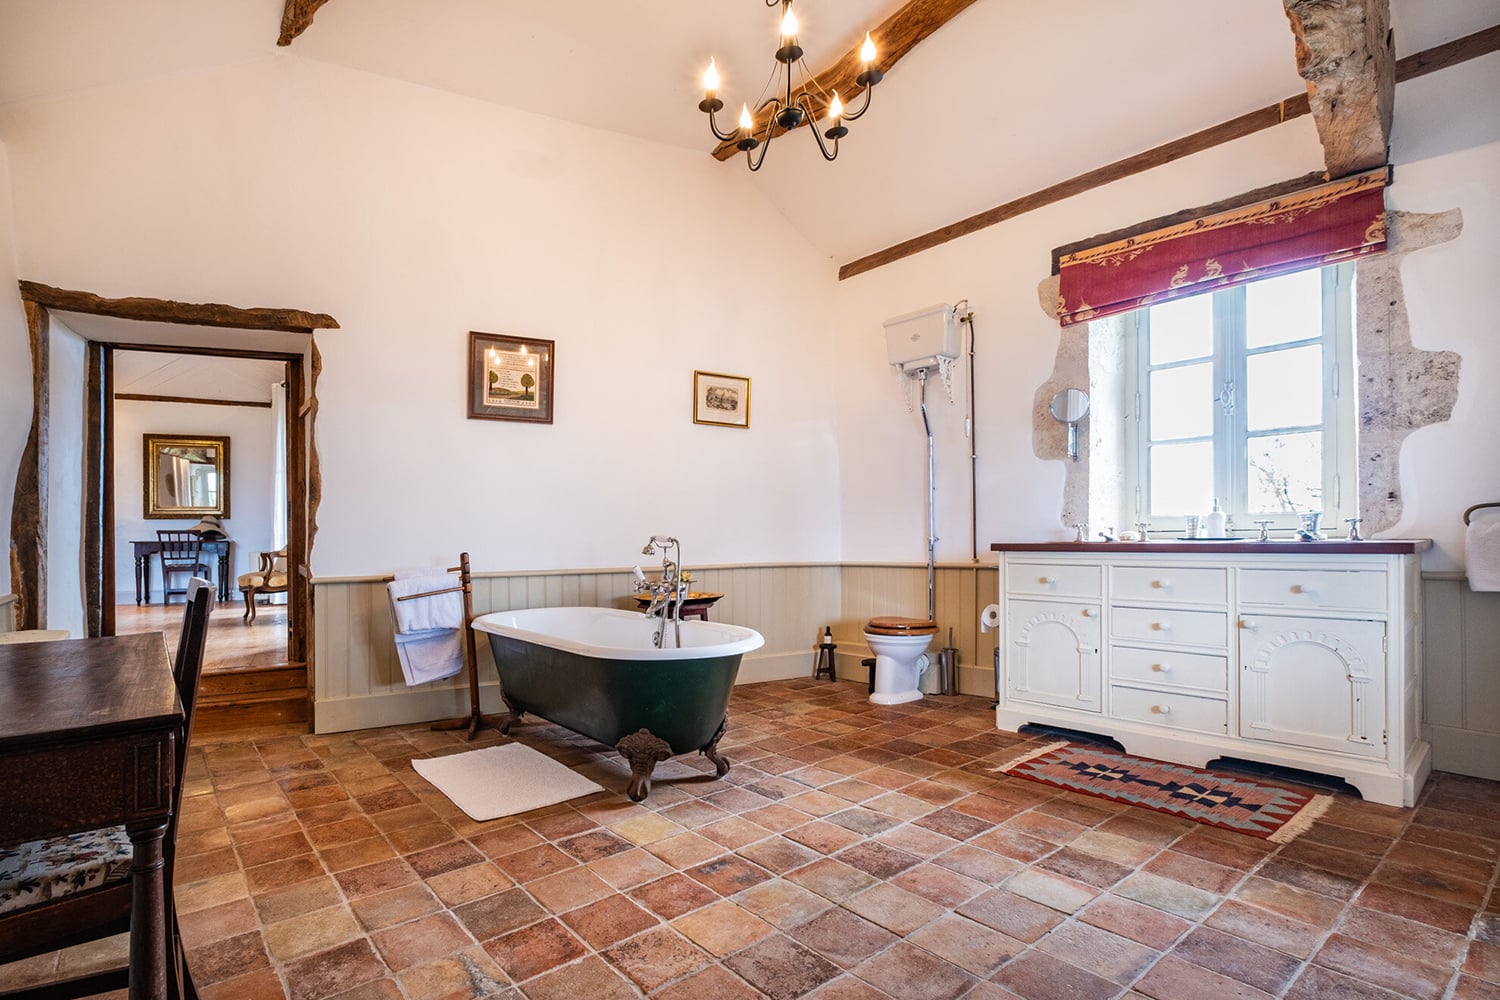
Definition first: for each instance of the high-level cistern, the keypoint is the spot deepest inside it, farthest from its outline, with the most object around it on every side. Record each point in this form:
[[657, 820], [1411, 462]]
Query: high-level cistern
[[668, 592]]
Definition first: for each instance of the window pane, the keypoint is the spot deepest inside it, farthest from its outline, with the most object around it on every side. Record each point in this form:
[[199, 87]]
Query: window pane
[[1182, 329], [1286, 472], [1181, 403], [1284, 388], [1182, 478], [1285, 309]]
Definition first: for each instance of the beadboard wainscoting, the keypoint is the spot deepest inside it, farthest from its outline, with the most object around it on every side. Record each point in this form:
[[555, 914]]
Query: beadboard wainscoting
[[7, 612], [960, 592], [357, 680], [1461, 682]]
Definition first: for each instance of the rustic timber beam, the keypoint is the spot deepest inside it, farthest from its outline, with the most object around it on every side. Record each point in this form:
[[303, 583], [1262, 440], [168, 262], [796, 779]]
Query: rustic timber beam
[[896, 36], [296, 18], [167, 311], [1235, 128], [28, 521], [1427, 61], [147, 398], [1345, 53]]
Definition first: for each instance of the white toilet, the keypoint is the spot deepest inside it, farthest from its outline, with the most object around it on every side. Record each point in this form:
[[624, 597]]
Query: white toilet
[[900, 648]]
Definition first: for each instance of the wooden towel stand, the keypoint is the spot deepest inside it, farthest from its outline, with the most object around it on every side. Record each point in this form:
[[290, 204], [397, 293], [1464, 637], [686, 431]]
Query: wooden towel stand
[[476, 718]]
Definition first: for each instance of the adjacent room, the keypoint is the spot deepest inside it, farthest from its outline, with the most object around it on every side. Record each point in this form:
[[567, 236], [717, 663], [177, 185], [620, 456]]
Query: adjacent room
[[483, 525]]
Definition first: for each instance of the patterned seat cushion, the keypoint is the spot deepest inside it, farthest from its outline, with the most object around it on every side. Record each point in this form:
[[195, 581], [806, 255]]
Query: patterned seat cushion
[[42, 870], [276, 581]]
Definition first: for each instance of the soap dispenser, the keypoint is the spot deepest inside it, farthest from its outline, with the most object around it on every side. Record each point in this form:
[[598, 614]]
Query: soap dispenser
[[1213, 523]]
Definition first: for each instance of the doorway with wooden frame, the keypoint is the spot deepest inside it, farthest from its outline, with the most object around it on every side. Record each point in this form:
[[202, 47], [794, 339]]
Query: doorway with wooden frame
[[273, 690]]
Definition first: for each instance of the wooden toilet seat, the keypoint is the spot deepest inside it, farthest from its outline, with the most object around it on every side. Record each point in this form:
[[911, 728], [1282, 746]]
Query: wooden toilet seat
[[900, 626]]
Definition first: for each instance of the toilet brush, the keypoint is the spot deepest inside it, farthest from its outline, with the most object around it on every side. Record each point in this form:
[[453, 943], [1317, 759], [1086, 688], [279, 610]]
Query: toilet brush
[[948, 666]]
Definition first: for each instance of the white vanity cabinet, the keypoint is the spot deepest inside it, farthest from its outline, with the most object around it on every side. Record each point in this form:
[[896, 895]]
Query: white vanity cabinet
[[1297, 654]]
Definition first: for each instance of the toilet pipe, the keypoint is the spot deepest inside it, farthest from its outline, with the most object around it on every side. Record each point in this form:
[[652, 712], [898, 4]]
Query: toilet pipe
[[931, 500], [968, 320]]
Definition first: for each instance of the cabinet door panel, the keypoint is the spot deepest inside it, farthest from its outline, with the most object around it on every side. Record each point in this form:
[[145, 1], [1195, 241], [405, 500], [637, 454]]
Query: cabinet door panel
[[1052, 654], [1313, 682]]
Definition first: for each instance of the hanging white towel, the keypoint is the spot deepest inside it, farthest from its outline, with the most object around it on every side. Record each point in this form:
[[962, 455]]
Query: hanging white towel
[[1482, 551], [421, 614], [430, 656], [429, 630]]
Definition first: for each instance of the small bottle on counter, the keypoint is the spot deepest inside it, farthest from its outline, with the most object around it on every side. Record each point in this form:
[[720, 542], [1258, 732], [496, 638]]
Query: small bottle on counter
[[1213, 522]]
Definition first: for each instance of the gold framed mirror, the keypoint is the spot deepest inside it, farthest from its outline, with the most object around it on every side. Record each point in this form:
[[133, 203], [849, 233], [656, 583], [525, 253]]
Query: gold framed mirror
[[186, 476]]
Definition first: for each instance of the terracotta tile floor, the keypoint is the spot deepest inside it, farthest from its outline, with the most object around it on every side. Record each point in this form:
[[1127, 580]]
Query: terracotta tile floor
[[851, 852]]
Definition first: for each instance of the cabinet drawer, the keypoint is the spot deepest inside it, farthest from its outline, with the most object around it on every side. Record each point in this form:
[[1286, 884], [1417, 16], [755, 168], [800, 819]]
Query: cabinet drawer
[[1170, 709], [1172, 667], [1362, 590], [1160, 625], [1169, 584], [1053, 579]]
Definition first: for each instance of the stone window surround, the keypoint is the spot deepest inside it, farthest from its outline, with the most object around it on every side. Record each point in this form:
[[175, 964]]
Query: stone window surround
[[1401, 387]]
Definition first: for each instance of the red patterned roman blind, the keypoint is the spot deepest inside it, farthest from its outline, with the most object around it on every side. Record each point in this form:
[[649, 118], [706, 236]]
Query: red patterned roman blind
[[1322, 225]]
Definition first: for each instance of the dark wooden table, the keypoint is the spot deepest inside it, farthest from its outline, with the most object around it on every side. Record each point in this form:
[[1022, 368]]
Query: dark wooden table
[[87, 731], [145, 550]]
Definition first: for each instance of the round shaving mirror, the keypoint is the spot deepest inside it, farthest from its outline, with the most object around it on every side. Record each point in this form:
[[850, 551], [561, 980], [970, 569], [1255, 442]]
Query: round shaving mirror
[[1070, 406]]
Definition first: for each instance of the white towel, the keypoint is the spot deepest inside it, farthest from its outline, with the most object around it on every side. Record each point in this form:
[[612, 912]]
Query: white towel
[[1482, 551], [422, 614], [430, 656], [429, 630]]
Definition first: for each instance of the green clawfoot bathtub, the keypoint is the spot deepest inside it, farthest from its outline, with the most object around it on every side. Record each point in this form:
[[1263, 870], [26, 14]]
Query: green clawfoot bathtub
[[595, 671]]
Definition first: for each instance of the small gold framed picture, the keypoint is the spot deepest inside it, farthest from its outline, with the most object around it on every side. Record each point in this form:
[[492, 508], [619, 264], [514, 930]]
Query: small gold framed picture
[[723, 400]]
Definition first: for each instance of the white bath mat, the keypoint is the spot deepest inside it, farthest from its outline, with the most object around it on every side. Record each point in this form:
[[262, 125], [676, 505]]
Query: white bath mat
[[503, 780]]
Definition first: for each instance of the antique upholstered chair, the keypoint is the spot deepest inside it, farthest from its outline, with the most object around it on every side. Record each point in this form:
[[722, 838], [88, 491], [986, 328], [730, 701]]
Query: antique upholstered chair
[[270, 578], [69, 890], [181, 552]]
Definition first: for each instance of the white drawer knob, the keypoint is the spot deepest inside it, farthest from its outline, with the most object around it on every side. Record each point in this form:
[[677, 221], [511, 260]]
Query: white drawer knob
[[1249, 624], [1087, 612], [1162, 584], [1161, 668], [1161, 626], [1047, 580], [1298, 588], [1161, 709]]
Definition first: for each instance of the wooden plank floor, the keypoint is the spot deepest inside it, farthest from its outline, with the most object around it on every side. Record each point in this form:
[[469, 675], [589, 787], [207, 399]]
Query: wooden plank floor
[[232, 645]]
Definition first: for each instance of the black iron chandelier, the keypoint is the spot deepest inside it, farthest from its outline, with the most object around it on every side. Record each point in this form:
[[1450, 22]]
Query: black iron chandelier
[[783, 110]]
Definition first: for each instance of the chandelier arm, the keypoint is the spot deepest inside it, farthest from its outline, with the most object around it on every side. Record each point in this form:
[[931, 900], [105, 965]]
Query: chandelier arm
[[805, 100], [754, 162], [850, 116], [722, 136]]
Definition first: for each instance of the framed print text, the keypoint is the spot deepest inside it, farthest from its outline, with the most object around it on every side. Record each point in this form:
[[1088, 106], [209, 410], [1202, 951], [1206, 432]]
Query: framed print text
[[510, 378], [721, 399]]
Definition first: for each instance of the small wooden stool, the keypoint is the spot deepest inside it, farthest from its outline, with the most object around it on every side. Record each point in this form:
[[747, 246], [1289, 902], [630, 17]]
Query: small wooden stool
[[823, 661]]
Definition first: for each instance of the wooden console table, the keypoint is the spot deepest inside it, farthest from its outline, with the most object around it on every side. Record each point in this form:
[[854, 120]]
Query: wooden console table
[[87, 735], [222, 547]]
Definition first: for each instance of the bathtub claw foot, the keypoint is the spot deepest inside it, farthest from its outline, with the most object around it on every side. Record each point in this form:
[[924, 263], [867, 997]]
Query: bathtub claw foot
[[642, 751], [711, 750], [512, 718]]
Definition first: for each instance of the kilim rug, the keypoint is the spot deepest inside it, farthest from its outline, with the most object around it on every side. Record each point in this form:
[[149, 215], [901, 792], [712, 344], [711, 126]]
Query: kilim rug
[[1266, 811]]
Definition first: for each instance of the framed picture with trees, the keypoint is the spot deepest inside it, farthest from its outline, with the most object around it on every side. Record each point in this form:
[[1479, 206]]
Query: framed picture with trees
[[510, 378]]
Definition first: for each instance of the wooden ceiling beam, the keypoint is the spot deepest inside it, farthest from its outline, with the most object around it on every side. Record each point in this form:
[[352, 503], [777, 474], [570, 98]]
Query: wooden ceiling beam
[[896, 36], [1346, 55], [186, 313], [1438, 57], [296, 18]]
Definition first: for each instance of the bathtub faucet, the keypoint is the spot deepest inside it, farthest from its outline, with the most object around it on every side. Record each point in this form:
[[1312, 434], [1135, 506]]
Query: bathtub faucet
[[668, 593]]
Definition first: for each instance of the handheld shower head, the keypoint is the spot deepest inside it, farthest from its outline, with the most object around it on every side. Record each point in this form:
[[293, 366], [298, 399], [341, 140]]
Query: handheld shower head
[[646, 549]]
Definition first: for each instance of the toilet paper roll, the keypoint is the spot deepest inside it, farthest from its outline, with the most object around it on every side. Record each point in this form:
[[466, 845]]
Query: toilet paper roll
[[989, 618]]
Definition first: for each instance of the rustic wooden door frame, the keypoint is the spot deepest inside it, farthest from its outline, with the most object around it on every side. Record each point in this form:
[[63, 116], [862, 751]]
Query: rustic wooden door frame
[[29, 516]]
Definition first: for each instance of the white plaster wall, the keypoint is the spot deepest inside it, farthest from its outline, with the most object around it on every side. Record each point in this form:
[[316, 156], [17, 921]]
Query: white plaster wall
[[881, 447], [65, 481], [15, 367], [1446, 147], [252, 444], [414, 217]]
